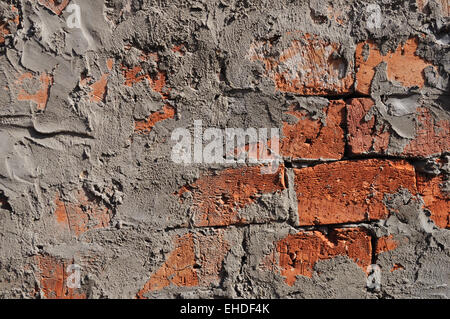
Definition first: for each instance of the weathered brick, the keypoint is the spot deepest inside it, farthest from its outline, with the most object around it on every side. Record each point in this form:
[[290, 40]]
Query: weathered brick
[[366, 136], [349, 191], [56, 6], [218, 198], [386, 243], [178, 269], [310, 66], [210, 251], [298, 253], [445, 6], [52, 276], [98, 88], [137, 74], [403, 65], [4, 30], [82, 215], [196, 261], [145, 126], [311, 139], [432, 135], [436, 200], [40, 96]]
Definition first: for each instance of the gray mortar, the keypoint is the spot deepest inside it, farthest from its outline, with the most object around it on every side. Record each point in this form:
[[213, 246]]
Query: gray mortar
[[42, 153]]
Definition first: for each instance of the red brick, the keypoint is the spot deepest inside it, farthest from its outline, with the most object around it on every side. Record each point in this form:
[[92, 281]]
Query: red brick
[[136, 74], [432, 135], [39, 97], [178, 269], [4, 31], [218, 198], [82, 215], [307, 67], [386, 243], [211, 251], [53, 276], [56, 6], [310, 139], [145, 127], [403, 65], [349, 191], [364, 136], [196, 261], [298, 253], [436, 200]]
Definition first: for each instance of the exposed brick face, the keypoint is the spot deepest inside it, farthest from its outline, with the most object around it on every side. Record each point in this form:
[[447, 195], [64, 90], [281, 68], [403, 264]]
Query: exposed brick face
[[386, 243], [196, 261], [432, 135], [178, 269], [53, 277], [298, 253], [145, 126], [39, 96], [56, 6], [363, 135], [366, 136], [83, 214], [310, 139], [349, 191], [307, 67], [355, 97], [403, 65], [217, 198], [436, 200]]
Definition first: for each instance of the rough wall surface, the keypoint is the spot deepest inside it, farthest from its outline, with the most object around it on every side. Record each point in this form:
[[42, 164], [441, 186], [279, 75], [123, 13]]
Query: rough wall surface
[[360, 93]]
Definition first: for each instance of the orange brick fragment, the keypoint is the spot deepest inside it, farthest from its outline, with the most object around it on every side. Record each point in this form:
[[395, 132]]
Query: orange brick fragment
[[53, 279], [145, 127], [197, 260], [298, 253], [4, 31], [40, 97], [310, 66], [364, 136], [99, 89], [56, 6], [432, 136], [84, 214], [403, 65], [178, 270], [310, 139], [135, 75], [436, 200], [349, 191], [218, 198], [386, 243]]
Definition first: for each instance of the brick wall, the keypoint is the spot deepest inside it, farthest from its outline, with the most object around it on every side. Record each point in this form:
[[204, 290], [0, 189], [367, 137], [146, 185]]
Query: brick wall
[[358, 89]]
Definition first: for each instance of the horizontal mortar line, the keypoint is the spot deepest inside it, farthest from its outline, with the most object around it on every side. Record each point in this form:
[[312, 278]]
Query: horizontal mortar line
[[329, 97], [305, 227]]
